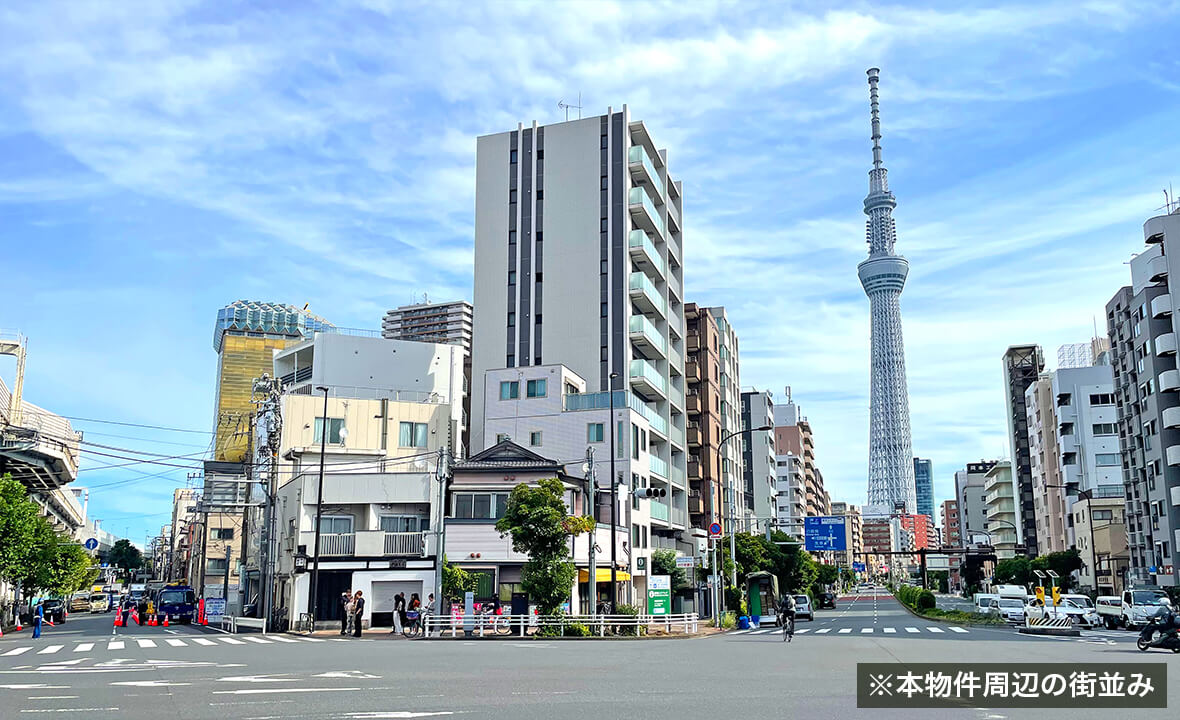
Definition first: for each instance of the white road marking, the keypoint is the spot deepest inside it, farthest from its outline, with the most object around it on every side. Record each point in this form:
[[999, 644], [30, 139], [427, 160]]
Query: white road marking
[[84, 647], [738, 632], [958, 629], [260, 641], [50, 649], [115, 645], [203, 641], [311, 639], [866, 630], [912, 630], [935, 629], [844, 631], [231, 641], [16, 651], [37, 686], [264, 691], [59, 663], [256, 678], [396, 714], [355, 674], [144, 643], [800, 632], [103, 709], [149, 683], [174, 642], [825, 630], [276, 638], [890, 631], [53, 697]]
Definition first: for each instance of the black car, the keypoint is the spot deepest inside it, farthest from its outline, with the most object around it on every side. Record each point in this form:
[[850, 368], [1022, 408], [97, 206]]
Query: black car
[[826, 600], [54, 610]]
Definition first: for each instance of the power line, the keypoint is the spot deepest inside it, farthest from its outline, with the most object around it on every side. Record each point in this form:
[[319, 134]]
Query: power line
[[46, 413]]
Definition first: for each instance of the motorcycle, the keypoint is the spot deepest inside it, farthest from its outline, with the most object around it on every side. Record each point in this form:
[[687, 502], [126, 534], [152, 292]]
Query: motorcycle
[[1160, 633]]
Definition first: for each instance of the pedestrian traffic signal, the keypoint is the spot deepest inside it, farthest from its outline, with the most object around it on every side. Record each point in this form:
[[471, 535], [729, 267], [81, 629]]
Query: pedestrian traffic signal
[[1041, 594], [1056, 595], [650, 492]]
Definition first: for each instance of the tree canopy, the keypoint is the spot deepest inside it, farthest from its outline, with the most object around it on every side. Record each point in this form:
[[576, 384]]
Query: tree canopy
[[663, 562], [125, 556], [32, 553]]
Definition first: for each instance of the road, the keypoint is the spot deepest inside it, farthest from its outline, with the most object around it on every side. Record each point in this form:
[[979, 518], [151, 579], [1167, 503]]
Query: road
[[81, 669]]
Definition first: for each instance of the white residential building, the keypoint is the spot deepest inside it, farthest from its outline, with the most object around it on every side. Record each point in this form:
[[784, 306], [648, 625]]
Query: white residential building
[[758, 458], [790, 494], [1000, 507]]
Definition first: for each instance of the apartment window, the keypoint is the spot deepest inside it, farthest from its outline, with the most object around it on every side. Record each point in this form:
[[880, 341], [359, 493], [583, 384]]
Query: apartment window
[[215, 566], [602, 306], [537, 388], [512, 195], [501, 437], [1106, 459], [1104, 429], [511, 319], [411, 434], [480, 506], [1102, 399], [602, 225], [1097, 515], [335, 425], [537, 320], [221, 534], [541, 154], [603, 185], [510, 361], [538, 276], [511, 277], [595, 432], [540, 194], [336, 524], [509, 390], [512, 156], [634, 441], [403, 523], [535, 438], [511, 236], [603, 142]]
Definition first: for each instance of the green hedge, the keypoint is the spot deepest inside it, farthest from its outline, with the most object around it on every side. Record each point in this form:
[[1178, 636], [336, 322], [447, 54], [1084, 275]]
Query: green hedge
[[924, 603]]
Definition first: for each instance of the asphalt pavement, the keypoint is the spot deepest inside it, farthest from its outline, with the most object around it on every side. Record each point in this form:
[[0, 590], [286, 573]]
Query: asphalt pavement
[[191, 672]]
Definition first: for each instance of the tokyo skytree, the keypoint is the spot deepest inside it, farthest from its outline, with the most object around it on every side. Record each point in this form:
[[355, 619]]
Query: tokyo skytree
[[883, 275]]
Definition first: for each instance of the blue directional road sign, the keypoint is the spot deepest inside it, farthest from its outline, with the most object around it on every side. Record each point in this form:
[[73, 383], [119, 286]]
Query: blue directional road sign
[[858, 567], [91, 544], [825, 532]]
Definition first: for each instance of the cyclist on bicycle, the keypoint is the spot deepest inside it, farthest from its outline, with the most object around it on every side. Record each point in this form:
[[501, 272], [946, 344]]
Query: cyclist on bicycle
[[787, 607]]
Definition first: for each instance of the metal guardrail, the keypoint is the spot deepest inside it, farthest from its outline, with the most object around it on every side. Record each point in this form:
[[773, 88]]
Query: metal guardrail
[[483, 625], [234, 622]]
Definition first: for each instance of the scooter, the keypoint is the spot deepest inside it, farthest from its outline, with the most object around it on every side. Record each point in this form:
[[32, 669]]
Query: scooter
[[1157, 635]]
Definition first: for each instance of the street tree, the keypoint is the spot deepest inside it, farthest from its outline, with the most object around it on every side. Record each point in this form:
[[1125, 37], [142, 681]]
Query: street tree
[[1013, 571], [456, 582], [1064, 563], [663, 562], [540, 527], [125, 556], [20, 524]]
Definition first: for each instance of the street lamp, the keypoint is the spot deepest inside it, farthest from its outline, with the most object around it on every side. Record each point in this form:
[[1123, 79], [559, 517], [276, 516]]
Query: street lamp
[[729, 494], [614, 505], [319, 504]]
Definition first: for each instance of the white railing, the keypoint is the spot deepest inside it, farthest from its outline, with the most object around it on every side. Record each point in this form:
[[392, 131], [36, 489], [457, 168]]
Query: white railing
[[482, 625], [337, 543], [405, 543]]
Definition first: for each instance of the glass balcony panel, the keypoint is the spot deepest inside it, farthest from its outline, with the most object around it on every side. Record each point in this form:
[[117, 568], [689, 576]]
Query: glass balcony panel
[[637, 155], [638, 198]]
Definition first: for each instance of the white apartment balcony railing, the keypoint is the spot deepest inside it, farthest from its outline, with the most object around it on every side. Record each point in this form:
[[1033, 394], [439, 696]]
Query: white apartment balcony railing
[[676, 476], [677, 436], [1153, 230], [1170, 380], [674, 215], [1173, 455], [644, 212], [674, 285], [645, 295], [1165, 344], [1161, 305], [1157, 268], [643, 168], [659, 511], [646, 377], [337, 544], [679, 515], [676, 396], [675, 361], [644, 253], [645, 334], [658, 466], [411, 544], [1171, 417], [674, 249], [573, 402]]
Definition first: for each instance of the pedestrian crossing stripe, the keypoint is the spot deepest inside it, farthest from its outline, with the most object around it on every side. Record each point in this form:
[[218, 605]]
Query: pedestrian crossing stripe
[[115, 645], [231, 641], [958, 629], [143, 643], [49, 649], [282, 639], [174, 642], [823, 630], [84, 647], [843, 631], [17, 651], [800, 632], [862, 631], [890, 631], [260, 641], [203, 641], [866, 630], [935, 629], [111, 645], [912, 630]]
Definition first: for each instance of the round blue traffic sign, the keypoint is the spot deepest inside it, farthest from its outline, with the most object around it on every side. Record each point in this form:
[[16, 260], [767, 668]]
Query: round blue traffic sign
[[715, 529], [91, 544]]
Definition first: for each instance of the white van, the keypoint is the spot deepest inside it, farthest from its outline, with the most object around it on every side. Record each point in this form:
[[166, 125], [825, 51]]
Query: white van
[[983, 602]]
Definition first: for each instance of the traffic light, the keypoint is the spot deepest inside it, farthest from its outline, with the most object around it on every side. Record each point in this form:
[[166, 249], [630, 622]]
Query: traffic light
[[1041, 594], [650, 492], [1056, 596]]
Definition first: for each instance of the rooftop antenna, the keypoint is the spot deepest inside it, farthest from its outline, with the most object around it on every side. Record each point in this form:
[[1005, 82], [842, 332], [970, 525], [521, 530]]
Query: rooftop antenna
[[425, 299], [562, 104]]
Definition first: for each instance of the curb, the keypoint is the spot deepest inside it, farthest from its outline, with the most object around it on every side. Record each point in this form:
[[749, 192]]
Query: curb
[[534, 638], [1059, 632]]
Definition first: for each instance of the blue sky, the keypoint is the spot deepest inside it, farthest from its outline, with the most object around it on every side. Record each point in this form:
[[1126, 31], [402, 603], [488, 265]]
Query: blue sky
[[158, 160]]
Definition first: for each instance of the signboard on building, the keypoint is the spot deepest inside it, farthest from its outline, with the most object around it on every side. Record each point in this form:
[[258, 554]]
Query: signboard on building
[[659, 595], [685, 562], [214, 609], [824, 533]]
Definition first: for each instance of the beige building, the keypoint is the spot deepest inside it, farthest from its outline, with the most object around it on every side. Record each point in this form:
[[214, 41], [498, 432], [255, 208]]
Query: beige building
[[853, 533], [793, 436], [1100, 531], [1000, 508], [1049, 499]]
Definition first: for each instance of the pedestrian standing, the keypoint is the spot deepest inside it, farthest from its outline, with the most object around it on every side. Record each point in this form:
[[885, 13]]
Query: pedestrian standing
[[38, 617], [126, 609], [399, 608], [358, 613], [345, 598], [397, 616], [349, 609]]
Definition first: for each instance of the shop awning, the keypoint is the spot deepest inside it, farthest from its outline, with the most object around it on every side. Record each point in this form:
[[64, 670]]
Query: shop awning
[[603, 575]]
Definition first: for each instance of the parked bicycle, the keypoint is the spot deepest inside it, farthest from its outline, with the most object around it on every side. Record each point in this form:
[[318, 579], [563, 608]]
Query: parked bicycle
[[413, 625]]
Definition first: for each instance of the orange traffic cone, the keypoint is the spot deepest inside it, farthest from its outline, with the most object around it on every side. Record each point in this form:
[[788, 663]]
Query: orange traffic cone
[[19, 627], [118, 619], [165, 619]]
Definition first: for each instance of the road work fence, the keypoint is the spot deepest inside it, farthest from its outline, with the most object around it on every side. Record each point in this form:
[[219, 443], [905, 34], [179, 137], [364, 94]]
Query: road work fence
[[485, 625]]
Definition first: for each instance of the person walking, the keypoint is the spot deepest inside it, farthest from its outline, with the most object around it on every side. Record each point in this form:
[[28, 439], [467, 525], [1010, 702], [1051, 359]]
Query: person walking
[[126, 609], [349, 610], [358, 613], [399, 609], [38, 617], [345, 598]]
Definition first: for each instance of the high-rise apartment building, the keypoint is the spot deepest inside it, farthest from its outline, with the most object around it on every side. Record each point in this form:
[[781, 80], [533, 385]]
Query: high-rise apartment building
[[245, 337], [949, 519], [1022, 366], [793, 437], [714, 416], [1002, 525], [970, 497], [589, 206], [1049, 497], [921, 529], [853, 533], [1143, 326], [790, 493], [924, 486], [758, 455], [447, 322]]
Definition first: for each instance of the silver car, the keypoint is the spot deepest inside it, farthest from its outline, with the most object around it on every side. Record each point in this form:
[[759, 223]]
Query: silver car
[[803, 608]]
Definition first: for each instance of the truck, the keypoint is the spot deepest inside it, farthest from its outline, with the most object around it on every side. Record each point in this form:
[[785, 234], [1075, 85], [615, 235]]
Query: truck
[[178, 602], [1133, 609], [1018, 592]]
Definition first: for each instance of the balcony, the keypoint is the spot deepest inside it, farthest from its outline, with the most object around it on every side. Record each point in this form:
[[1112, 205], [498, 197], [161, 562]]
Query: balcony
[[1173, 455], [644, 213], [644, 253], [694, 435], [677, 475], [675, 361], [1165, 344], [1161, 306], [647, 380], [1171, 417], [643, 170], [692, 371], [646, 296], [658, 466], [694, 403], [677, 436], [1153, 230], [407, 544], [659, 511], [674, 286], [674, 215], [674, 255], [646, 336], [337, 544], [1157, 268], [676, 396], [679, 515], [1170, 380], [574, 402]]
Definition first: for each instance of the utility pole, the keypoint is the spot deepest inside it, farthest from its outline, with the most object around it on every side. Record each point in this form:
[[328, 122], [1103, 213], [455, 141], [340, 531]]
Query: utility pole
[[614, 503], [592, 500], [442, 474], [313, 600]]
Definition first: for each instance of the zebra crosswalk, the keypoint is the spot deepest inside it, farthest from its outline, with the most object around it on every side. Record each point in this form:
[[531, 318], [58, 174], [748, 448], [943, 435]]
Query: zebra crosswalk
[[871, 630], [114, 645]]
